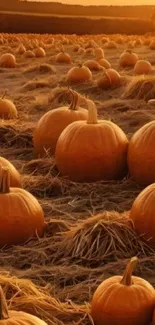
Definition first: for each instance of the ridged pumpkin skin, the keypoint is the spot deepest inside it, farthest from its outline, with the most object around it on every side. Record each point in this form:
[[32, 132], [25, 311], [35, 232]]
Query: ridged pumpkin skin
[[123, 301], [141, 156], [53, 123], [143, 214], [15, 177], [88, 152], [79, 75], [20, 213], [128, 59]]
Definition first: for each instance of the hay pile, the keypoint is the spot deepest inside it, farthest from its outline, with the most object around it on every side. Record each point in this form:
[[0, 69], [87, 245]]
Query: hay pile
[[89, 236]]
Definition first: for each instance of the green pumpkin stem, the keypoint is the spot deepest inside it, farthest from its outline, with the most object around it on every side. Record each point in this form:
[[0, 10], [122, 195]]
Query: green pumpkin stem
[[4, 180], [75, 98], [4, 314], [127, 277], [92, 113]]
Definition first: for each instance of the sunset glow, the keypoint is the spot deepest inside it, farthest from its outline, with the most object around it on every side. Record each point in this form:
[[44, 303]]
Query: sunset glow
[[106, 2]]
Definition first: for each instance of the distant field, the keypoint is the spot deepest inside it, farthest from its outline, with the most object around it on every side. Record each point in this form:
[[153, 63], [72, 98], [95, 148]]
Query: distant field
[[22, 22], [67, 16]]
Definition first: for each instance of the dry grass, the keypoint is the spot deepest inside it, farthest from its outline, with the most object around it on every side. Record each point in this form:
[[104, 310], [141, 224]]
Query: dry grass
[[88, 236]]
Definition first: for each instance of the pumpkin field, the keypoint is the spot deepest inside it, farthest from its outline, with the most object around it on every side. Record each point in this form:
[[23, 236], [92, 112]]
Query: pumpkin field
[[77, 179]]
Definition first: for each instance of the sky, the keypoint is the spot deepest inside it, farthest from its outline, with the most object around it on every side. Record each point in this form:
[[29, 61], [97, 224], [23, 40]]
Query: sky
[[104, 2]]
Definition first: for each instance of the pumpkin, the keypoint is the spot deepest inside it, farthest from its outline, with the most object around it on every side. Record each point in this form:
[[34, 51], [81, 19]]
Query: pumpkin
[[127, 300], [92, 150], [20, 213], [111, 45], [7, 60], [54, 122], [15, 178], [63, 57], [29, 54], [40, 52], [110, 78], [142, 213], [99, 53], [92, 65], [128, 59], [104, 40], [7, 108], [21, 49], [151, 102], [79, 74], [104, 63], [142, 67], [141, 156], [13, 317]]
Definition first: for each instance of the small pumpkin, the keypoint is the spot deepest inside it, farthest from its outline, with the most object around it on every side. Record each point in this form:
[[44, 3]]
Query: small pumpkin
[[14, 317], [142, 67], [127, 300], [63, 57], [7, 108], [79, 74], [92, 150], [54, 122], [20, 213], [40, 52], [128, 59], [110, 78], [99, 53], [92, 65], [141, 156], [7, 60], [142, 213], [104, 63]]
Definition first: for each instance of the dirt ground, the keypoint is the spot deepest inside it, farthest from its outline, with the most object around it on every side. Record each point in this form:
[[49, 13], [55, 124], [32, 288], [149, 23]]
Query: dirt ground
[[78, 250]]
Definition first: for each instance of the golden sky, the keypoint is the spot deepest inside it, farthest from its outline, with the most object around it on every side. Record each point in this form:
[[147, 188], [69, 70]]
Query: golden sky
[[104, 2]]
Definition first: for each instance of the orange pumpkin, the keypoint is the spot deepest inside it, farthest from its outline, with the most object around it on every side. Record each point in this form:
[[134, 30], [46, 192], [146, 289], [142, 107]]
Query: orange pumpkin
[[110, 78], [142, 67], [40, 52], [142, 213], [104, 63], [79, 74], [7, 60], [20, 213], [141, 156], [127, 300], [63, 57], [92, 65], [29, 54], [15, 177], [7, 108], [21, 49], [92, 150], [15, 317], [128, 59], [54, 122]]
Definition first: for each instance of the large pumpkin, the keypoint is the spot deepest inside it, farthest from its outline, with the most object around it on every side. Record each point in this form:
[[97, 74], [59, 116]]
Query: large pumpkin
[[13, 317], [128, 59], [127, 300], [20, 213], [54, 122], [143, 214], [92, 150], [141, 156]]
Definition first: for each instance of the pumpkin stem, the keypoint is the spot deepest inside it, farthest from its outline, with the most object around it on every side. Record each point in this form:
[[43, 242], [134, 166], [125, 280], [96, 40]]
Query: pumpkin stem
[[127, 277], [92, 113], [75, 98], [4, 180], [4, 314]]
